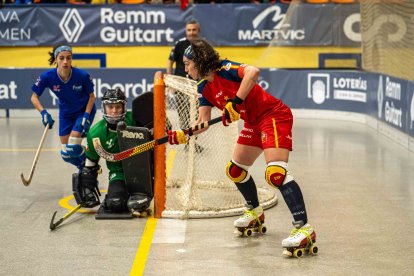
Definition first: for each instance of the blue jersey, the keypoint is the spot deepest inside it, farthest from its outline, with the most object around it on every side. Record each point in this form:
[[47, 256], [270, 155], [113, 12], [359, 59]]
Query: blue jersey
[[73, 94]]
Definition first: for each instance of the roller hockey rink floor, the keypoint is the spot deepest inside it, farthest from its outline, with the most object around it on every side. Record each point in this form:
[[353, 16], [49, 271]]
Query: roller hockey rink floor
[[358, 188]]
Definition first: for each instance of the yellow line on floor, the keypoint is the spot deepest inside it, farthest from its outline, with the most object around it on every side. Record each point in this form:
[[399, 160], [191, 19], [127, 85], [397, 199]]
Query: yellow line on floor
[[146, 240], [64, 203], [144, 247]]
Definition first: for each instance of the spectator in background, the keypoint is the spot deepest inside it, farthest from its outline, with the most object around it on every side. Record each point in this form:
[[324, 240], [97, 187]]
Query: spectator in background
[[192, 31]]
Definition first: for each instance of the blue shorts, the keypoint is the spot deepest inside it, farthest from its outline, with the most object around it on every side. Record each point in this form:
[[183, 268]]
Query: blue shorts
[[66, 124]]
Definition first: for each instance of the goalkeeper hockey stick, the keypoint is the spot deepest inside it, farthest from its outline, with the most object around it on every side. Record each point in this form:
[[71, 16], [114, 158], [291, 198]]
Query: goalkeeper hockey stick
[[26, 182], [115, 157], [71, 212]]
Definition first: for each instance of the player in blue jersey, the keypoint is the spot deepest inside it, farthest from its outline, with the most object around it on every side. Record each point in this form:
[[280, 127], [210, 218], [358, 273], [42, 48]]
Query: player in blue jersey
[[74, 89]]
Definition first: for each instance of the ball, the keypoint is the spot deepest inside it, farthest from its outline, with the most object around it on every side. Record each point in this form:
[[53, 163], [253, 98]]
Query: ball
[[121, 126]]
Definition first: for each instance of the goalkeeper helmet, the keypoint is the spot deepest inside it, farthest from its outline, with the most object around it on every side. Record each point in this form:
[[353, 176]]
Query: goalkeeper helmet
[[113, 96]]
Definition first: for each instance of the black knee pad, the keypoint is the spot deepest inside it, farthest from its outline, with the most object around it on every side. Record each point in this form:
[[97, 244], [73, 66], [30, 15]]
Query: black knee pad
[[117, 197], [116, 204]]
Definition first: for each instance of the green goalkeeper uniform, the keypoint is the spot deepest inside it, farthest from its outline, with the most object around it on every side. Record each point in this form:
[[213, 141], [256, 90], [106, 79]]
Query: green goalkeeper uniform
[[109, 141]]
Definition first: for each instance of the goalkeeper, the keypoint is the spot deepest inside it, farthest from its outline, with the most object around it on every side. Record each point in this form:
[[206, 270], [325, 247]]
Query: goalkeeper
[[118, 199], [232, 87]]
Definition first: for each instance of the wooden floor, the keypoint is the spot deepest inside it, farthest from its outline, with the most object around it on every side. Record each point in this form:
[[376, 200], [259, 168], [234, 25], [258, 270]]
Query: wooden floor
[[358, 188]]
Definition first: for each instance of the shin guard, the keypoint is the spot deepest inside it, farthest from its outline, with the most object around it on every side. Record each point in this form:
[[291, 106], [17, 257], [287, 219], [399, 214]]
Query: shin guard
[[294, 200], [249, 192]]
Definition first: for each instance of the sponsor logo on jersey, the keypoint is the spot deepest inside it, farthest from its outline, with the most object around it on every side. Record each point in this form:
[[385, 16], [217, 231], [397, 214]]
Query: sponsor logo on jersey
[[110, 143], [77, 88], [56, 88]]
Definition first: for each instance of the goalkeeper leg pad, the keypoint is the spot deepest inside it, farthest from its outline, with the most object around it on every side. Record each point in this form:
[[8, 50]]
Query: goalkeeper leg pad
[[117, 197]]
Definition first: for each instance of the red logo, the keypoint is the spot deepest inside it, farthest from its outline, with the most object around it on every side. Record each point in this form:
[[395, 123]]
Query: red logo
[[56, 88]]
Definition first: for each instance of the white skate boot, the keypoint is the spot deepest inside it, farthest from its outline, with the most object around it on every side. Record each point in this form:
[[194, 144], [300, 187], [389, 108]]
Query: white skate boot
[[300, 240], [251, 221]]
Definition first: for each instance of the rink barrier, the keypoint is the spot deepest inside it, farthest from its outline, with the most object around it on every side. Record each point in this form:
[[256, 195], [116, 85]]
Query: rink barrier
[[388, 100]]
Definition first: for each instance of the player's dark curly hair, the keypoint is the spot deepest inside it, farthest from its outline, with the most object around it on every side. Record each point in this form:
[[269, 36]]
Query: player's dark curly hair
[[52, 58], [206, 59]]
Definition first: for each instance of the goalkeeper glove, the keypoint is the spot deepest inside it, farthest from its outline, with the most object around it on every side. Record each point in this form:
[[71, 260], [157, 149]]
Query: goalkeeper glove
[[231, 111]]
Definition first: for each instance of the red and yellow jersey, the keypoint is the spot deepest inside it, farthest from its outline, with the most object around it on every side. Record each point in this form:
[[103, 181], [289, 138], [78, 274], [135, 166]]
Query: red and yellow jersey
[[225, 85]]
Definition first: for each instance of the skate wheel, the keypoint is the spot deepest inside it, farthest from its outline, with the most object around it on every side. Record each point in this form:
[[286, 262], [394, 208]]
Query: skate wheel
[[149, 212], [313, 250], [136, 214], [287, 253], [144, 214], [262, 229], [298, 252], [247, 232]]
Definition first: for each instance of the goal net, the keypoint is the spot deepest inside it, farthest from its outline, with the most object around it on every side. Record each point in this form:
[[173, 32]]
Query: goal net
[[196, 183], [387, 32]]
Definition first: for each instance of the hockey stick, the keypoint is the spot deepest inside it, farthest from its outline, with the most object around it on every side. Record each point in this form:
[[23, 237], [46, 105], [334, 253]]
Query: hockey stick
[[115, 157], [71, 212], [26, 182]]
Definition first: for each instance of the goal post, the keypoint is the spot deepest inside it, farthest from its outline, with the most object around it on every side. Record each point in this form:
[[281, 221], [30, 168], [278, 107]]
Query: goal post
[[190, 179]]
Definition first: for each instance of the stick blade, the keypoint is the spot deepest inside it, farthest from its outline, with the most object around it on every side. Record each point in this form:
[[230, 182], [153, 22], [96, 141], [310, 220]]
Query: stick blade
[[52, 225], [25, 182]]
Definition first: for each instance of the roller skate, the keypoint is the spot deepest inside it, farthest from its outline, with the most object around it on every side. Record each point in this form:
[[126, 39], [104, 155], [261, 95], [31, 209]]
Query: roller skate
[[251, 221], [141, 214], [301, 239], [139, 205]]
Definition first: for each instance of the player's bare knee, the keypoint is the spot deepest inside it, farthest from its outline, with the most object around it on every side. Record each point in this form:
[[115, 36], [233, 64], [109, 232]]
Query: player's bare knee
[[237, 173], [277, 174]]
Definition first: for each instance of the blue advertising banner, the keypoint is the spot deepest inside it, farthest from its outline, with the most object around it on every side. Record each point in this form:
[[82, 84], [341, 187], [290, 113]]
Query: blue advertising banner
[[15, 85], [222, 24], [392, 99], [410, 117], [305, 24], [92, 25], [387, 99], [327, 90]]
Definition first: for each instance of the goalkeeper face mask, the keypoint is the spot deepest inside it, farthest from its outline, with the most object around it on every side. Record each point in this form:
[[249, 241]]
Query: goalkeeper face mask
[[114, 106]]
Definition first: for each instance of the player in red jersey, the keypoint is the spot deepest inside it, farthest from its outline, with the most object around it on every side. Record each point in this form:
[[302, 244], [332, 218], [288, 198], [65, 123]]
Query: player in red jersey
[[232, 87]]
